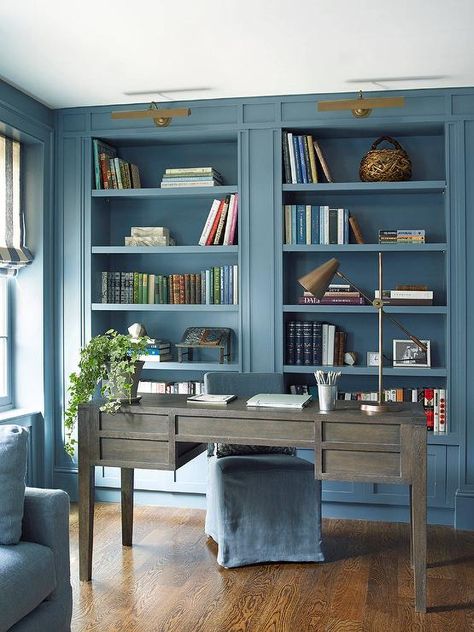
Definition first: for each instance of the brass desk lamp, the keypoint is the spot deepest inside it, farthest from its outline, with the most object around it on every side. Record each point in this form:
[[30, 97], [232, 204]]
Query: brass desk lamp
[[317, 282]]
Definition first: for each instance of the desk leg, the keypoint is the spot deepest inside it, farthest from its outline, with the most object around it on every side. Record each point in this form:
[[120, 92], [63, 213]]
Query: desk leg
[[126, 480], [86, 520], [419, 517], [411, 524]]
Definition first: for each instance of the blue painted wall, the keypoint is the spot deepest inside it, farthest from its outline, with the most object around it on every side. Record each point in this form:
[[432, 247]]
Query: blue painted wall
[[33, 329], [445, 151]]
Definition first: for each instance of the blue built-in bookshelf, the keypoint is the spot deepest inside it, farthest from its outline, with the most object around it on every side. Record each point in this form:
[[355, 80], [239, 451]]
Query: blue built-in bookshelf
[[184, 211], [419, 203], [242, 138]]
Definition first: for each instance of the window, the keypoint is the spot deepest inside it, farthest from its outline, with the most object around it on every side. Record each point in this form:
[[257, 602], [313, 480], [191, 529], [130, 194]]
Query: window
[[5, 382]]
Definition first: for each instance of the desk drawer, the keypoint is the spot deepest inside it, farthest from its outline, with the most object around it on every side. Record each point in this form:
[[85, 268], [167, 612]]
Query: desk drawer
[[360, 464], [127, 422], [134, 452], [247, 431], [361, 433]]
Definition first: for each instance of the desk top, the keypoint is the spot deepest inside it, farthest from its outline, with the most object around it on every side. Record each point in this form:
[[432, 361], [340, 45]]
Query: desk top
[[346, 411]]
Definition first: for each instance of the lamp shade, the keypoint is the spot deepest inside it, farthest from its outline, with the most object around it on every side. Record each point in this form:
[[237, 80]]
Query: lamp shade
[[317, 281]]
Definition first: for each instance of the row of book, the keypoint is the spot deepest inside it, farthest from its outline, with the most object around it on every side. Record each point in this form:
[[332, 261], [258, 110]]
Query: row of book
[[401, 236], [306, 224], [336, 294], [149, 236], [191, 177], [433, 399], [171, 388], [220, 228], [112, 172], [215, 286], [302, 158], [314, 343]]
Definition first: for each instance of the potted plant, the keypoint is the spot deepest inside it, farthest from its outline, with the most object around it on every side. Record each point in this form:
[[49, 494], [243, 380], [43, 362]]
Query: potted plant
[[113, 360]]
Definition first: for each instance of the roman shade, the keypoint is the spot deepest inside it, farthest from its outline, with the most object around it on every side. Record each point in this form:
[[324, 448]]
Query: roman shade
[[13, 253]]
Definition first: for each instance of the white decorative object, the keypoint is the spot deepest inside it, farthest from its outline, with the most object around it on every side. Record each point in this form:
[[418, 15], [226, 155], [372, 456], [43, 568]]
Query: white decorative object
[[137, 330]]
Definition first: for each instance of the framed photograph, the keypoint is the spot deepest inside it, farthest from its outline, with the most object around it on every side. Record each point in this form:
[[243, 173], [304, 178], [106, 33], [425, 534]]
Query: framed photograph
[[372, 358], [406, 354]]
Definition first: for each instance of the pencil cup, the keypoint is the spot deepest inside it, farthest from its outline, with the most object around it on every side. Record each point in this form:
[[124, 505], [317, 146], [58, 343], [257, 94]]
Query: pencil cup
[[327, 394]]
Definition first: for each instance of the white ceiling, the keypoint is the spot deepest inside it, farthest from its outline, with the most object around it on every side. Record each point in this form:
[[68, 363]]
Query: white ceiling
[[68, 53]]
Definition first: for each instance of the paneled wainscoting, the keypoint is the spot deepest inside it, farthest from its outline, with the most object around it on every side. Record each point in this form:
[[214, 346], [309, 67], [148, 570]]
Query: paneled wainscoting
[[170, 581]]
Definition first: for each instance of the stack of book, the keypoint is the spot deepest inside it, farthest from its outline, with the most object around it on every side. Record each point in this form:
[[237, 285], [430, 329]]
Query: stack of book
[[111, 172], [390, 395], [306, 224], [401, 236], [221, 223], [149, 236], [314, 343], [157, 351], [191, 177], [214, 286], [434, 405], [182, 388], [337, 294], [302, 157], [407, 296]]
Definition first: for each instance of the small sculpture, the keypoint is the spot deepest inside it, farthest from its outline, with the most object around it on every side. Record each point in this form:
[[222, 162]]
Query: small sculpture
[[350, 358], [137, 330]]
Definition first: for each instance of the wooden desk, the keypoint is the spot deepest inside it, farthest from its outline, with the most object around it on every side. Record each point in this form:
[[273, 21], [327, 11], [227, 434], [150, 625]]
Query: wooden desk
[[164, 432]]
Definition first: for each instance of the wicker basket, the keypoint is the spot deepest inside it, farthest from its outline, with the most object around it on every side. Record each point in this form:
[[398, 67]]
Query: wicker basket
[[385, 165]]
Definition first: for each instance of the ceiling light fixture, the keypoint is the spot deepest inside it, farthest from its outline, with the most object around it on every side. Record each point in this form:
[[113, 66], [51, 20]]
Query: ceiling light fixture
[[161, 117], [361, 107]]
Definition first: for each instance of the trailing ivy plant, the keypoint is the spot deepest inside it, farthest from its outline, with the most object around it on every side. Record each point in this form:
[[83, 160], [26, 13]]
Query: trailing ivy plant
[[110, 359]]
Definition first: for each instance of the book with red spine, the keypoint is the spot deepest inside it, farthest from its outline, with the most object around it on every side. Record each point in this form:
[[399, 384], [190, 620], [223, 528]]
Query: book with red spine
[[220, 226], [428, 406], [212, 232]]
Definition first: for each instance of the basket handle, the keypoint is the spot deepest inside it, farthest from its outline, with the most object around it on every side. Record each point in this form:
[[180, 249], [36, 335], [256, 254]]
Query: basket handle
[[389, 139]]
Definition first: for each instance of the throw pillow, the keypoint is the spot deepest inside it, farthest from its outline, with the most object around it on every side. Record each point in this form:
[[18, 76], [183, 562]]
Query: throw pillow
[[13, 455]]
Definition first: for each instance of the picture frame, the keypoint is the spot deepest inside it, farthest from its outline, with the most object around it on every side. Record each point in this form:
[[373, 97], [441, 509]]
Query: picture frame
[[372, 358], [406, 353]]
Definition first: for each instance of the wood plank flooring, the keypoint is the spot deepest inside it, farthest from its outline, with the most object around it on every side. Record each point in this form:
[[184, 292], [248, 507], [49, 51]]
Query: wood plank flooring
[[169, 581]]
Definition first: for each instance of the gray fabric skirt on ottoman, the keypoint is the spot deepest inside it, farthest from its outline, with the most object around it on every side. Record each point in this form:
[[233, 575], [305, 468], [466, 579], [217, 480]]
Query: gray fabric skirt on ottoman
[[264, 508]]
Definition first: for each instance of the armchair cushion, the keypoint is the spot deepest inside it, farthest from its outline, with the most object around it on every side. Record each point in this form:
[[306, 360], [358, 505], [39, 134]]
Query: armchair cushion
[[13, 455], [27, 577]]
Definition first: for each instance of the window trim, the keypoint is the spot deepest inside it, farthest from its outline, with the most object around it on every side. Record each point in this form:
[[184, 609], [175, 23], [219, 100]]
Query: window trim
[[6, 402]]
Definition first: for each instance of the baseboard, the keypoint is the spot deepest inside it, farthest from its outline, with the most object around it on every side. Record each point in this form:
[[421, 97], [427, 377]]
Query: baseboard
[[464, 508]]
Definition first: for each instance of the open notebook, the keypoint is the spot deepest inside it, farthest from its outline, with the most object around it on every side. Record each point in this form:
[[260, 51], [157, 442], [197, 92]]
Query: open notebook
[[276, 400]]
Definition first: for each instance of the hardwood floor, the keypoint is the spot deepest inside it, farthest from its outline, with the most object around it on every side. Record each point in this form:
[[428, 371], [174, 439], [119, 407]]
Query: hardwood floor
[[170, 580]]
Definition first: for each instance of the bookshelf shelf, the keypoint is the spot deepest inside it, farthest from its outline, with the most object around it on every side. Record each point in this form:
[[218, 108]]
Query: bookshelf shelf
[[164, 250], [430, 247], [157, 193], [366, 309], [368, 370], [190, 366], [421, 186], [140, 307]]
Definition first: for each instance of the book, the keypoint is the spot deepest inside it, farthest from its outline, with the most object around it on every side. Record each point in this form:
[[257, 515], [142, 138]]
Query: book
[[215, 223], [286, 158], [220, 227], [228, 224], [291, 151], [202, 183], [354, 224], [191, 170], [209, 222], [99, 147], [165, 357], [322, 161], [134, 177], [312, 159], [211, 399]]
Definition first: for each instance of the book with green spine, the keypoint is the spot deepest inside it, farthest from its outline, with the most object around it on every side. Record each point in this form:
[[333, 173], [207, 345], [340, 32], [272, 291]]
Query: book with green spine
[[217, 286]]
